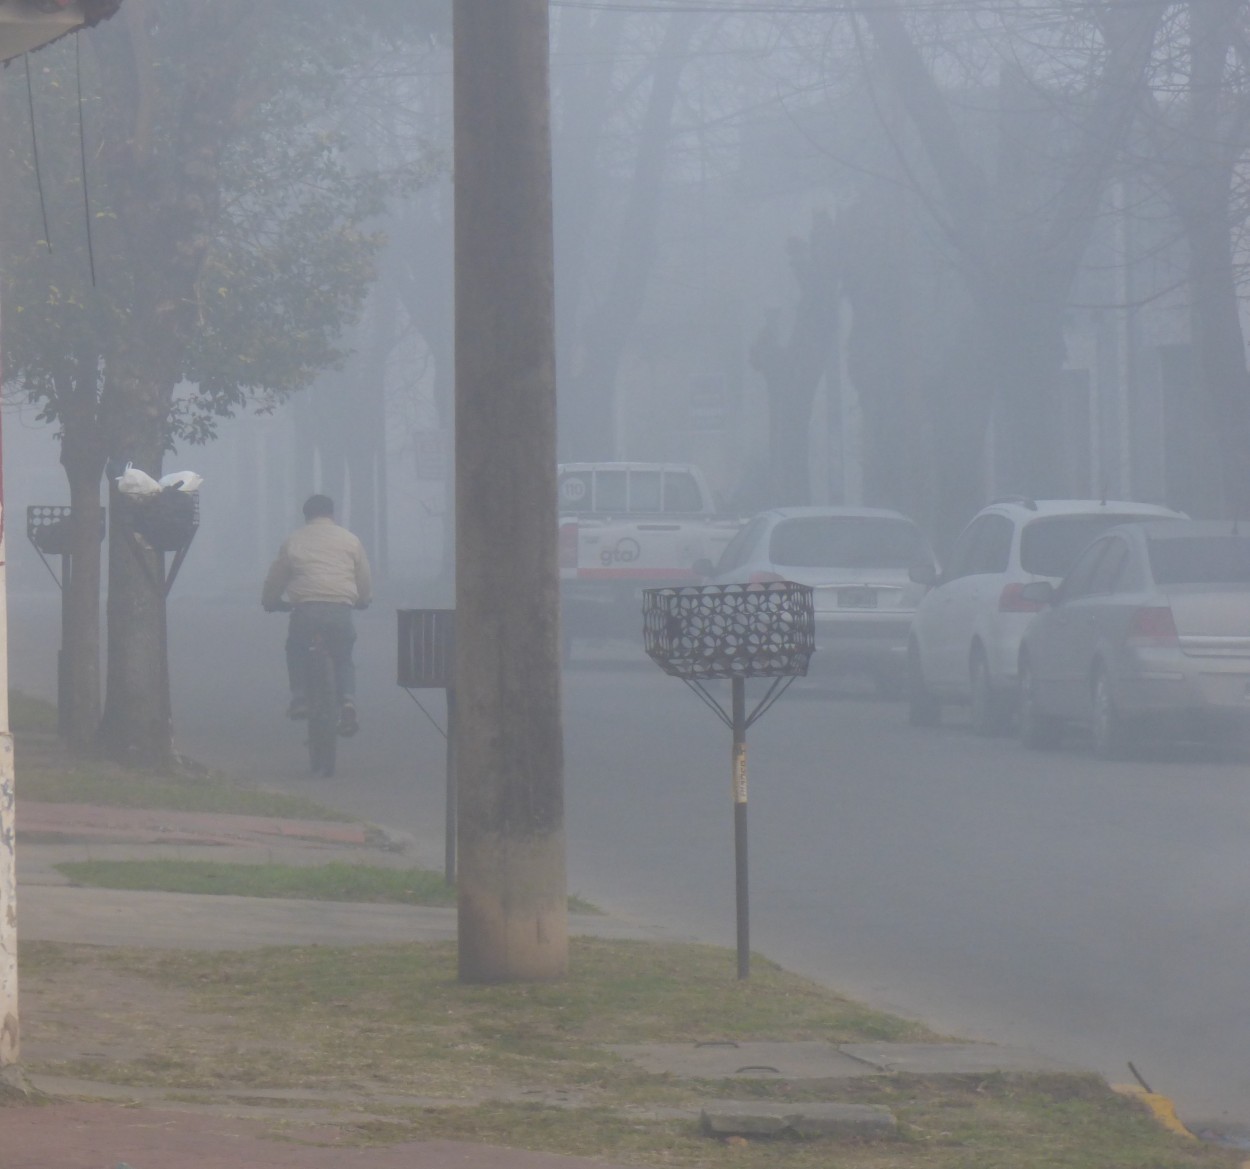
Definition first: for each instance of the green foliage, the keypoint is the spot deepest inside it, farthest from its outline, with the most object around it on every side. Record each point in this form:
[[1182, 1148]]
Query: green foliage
[[234, 207], [331, 882]]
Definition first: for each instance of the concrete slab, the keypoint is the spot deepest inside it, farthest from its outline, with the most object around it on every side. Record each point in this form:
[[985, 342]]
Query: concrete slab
[[762, 1118], [801, 1060], [953, 1059], [190, 921]]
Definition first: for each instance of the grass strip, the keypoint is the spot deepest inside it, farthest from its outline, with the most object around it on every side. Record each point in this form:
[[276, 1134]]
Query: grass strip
[[329, 882], [390, 1033], [336, 881], [49, 772], [31, 714]]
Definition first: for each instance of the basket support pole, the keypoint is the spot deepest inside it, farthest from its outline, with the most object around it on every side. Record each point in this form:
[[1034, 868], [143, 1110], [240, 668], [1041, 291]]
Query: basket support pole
[[740, 825]]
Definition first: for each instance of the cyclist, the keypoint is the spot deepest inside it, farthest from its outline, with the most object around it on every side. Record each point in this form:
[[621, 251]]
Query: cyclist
[[323, 570]]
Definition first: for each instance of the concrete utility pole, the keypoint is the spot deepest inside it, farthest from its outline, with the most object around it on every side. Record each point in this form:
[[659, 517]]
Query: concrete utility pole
[[513, 915], [9, 1046]]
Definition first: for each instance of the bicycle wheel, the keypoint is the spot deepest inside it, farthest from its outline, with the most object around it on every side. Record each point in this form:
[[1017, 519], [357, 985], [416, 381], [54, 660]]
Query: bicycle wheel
[[323, 711]]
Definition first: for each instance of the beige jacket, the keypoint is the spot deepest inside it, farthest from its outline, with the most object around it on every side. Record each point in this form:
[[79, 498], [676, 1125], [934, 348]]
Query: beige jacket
[[321, 561]]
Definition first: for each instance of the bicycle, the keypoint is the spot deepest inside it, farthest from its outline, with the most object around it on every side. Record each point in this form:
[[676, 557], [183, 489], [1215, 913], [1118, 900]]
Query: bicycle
[[323, 705], [321, 698]]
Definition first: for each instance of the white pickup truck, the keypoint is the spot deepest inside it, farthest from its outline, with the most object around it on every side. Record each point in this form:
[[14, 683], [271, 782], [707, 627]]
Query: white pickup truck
[[625, 527]]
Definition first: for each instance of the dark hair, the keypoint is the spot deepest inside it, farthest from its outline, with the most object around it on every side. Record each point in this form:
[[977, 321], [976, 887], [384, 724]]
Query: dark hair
[[316, 506]]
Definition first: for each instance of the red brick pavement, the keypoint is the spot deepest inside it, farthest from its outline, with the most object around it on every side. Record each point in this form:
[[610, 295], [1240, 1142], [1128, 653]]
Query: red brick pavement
[[152, 826]]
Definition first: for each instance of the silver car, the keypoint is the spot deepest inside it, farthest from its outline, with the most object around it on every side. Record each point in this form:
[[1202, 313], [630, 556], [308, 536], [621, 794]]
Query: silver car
[[1150, 631], [857, 561]]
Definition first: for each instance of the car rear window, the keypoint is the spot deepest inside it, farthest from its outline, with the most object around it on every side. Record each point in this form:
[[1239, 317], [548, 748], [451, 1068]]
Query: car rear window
[[846, 542], [1200, 560], [1050, 546]]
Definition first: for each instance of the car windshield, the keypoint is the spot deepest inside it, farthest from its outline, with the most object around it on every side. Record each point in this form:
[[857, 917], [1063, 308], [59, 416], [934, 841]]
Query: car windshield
[[846, 542], [1049, 547], [1201, 560]]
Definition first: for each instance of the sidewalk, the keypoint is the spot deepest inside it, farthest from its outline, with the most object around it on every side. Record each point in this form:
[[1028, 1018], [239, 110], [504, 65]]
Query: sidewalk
[[101, 1126], [76, 1130]]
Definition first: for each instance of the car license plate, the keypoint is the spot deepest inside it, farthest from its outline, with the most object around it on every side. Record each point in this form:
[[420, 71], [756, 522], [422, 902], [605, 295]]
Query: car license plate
[[857, 598]]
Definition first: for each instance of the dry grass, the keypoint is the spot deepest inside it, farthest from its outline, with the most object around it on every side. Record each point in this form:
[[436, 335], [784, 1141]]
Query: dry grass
[[389, 1034]]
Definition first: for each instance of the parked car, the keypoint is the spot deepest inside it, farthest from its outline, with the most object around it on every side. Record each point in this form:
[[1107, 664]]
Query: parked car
[[964, 645], [857, 561], [625, 527], [1150, 631]]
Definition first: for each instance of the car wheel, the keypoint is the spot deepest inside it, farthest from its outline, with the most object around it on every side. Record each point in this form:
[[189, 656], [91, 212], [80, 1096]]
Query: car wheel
[[1037, 730], [991, 711], [923, 710], [1111, 734]]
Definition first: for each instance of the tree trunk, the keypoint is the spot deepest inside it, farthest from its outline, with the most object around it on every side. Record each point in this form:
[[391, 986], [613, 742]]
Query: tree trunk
[[137, 729], [80, 639], [589, 412], [83, 457], [1199, 171], [1220, 348], [793, 371], [513, 912]]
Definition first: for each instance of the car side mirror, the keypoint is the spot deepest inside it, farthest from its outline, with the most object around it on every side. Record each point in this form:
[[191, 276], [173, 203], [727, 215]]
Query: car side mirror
[[1039, 592], [923, 574], [704, 567]]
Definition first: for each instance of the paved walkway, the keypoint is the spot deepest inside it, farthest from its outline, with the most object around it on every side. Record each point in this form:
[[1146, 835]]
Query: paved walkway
[[71, 1133]]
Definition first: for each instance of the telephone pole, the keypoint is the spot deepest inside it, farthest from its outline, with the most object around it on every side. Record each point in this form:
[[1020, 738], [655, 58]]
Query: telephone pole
[[513, 916]]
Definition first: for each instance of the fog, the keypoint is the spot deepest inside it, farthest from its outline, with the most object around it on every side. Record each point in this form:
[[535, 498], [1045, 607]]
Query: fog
[[917, 258]]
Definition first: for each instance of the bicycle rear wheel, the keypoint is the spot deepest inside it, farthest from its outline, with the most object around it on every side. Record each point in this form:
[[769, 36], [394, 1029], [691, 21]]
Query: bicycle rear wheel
[[323, 711]]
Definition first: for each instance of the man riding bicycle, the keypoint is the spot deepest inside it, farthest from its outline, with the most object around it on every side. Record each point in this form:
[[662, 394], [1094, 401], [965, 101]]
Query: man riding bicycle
[[323, 570]]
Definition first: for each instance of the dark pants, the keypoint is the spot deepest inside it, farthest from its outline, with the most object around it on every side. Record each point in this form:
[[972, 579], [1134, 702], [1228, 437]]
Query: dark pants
[[334, 623]]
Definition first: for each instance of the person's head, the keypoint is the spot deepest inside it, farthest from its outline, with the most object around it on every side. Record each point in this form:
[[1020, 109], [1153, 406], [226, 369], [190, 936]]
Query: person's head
[[316, 506]]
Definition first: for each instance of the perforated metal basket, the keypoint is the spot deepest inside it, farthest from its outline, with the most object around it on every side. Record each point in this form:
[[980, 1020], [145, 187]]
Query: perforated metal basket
[[730, 631]]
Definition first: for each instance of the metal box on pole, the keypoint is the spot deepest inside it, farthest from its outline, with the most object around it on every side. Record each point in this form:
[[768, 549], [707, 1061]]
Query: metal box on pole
[[427, 654]]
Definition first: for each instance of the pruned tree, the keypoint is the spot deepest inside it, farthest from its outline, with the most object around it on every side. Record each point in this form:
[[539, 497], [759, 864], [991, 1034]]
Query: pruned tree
[[792, 368], [1018, 217], [1197, 120]]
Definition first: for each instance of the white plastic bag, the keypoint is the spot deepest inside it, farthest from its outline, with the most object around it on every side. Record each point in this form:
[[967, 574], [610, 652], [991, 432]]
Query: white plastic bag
[[183, 480], [132, 481]]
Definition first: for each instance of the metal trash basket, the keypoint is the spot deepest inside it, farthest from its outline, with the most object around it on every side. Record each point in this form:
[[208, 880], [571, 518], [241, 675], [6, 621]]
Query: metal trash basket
[[730, 631], [426, 648], [167, 521], [47, 527]]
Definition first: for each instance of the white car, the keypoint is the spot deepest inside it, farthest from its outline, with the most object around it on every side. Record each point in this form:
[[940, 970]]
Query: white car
[[964, 645], [1149, 633], [858, 562]]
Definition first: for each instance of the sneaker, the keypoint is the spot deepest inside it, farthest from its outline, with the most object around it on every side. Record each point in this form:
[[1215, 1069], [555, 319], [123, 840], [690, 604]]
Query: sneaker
[[297, 709], [347, 720]]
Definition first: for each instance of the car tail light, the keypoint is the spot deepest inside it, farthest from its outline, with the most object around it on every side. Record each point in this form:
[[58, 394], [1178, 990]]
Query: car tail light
[[568, 545], [1152, 625], [1010, 600], [765, 578]]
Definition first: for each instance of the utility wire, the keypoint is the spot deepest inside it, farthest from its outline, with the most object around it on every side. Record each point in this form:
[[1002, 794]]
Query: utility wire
[[82, 155], [34, 149]]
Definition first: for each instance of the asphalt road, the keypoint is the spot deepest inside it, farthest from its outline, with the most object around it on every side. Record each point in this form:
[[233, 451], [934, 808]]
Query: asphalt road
[[1095, 912]]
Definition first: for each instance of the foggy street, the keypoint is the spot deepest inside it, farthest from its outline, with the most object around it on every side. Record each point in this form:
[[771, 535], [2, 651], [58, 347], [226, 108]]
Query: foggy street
[[1094, 911]]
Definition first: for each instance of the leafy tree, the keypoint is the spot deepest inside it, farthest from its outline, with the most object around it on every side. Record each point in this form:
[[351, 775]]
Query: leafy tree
[[229, 244]]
